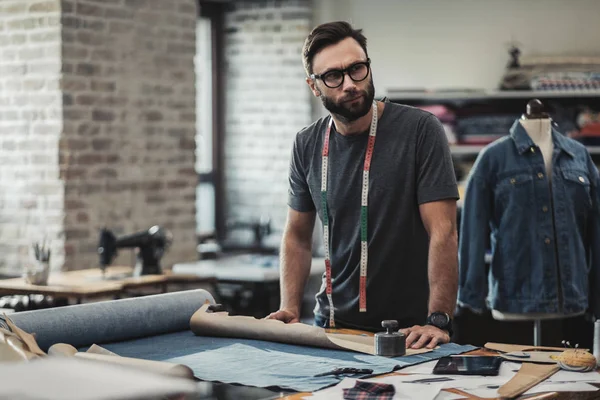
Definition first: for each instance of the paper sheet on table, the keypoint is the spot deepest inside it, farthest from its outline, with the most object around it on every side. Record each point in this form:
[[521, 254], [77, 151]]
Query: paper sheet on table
[[404, 390], [570, 376], [443, 395], [486, 386], [70, 378], [423, 368], [561, 387], [482, 386], [567, 381], [562, 381], [507, 370]]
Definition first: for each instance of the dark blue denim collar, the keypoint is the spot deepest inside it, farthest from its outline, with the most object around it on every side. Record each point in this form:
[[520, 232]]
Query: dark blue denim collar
[[524, 142]]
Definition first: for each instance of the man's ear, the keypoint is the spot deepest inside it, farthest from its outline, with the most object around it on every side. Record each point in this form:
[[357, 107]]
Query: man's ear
[[313, 87]]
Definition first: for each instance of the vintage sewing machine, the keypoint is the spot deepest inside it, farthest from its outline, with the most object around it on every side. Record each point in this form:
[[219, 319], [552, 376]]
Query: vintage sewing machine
[[151, 245]]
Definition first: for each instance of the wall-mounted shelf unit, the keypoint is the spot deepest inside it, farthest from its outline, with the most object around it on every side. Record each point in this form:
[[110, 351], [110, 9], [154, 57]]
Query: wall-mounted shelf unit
[[471, 150], [562, 105], [458, 95], [458, 149]]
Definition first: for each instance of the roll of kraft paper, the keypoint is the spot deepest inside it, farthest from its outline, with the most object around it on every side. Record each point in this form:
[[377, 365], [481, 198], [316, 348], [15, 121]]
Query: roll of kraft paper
[[112, 321]]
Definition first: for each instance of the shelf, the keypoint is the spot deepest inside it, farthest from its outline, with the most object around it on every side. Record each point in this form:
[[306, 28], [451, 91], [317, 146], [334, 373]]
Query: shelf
[[465, 150], [491, 94], [594, 149]]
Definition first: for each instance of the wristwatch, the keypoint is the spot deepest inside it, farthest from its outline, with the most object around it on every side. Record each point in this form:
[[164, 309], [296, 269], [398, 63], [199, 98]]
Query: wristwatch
[[440, 320]]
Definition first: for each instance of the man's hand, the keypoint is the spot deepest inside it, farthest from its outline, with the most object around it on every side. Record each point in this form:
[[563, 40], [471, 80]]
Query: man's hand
[[287, 316], [424, 336]]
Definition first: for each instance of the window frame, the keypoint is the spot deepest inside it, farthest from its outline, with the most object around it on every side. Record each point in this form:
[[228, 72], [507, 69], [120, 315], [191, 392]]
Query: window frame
[[215, 12]]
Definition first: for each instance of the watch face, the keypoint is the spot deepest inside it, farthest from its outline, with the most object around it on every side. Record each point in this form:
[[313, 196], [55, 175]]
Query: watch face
[[439, 319]]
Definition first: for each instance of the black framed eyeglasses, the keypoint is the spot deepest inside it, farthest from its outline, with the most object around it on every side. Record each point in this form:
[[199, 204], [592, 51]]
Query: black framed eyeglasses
[[335, 77]]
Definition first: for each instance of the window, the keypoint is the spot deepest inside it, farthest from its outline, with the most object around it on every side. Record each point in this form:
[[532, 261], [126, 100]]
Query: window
[[209, 117]]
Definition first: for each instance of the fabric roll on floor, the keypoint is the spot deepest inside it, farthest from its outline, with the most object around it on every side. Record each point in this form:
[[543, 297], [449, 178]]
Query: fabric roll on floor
[[112, 321]]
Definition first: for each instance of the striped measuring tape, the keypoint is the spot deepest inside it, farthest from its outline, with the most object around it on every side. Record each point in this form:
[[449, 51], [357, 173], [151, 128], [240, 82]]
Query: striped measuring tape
[[362, 299]]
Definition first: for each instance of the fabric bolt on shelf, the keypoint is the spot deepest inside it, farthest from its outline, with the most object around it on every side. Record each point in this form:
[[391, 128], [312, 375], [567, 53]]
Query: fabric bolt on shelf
[[112, 321], [265, 364]]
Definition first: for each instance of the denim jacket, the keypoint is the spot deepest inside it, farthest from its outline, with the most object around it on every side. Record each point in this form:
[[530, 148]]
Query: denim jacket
[[544, 238]]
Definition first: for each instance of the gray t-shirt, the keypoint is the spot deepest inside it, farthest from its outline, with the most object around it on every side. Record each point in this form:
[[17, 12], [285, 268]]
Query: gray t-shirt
[[411, 165]]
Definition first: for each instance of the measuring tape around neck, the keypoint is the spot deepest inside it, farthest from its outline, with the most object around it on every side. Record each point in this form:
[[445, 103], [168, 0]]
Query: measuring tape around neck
[[363, 217]]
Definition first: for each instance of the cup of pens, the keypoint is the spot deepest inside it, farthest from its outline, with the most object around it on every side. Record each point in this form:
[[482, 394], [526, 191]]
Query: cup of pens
[[38, 268]]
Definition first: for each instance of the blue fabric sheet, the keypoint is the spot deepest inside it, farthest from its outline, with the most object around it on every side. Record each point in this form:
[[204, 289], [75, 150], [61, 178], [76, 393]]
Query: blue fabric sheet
[[264, 364]]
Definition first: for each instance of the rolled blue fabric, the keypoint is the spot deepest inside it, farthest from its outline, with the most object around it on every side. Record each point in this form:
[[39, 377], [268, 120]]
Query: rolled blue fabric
[[112, 321]]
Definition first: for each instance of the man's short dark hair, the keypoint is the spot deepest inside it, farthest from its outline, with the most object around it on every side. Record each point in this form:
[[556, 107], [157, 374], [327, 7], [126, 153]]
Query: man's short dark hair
[[327, 34]]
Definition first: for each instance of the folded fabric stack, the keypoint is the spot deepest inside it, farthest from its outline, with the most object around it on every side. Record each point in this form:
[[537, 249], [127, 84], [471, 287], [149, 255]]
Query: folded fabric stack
[[446, 116], [567, 81], [554, 73], [483, 129]]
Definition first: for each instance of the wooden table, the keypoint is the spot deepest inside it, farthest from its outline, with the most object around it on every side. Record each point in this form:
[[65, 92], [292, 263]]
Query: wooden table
[[90, 283], [483, 352]]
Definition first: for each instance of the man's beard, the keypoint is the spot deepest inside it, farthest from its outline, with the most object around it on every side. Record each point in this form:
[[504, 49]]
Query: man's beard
[[349, 112]]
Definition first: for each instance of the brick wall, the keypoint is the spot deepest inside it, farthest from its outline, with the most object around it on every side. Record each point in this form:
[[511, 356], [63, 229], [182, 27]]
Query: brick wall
[[31, 194], [127, 150], [97, 122], [267, 103]]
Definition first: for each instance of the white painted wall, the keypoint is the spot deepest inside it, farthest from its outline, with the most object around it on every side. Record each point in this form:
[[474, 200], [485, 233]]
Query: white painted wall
[[462, 43]]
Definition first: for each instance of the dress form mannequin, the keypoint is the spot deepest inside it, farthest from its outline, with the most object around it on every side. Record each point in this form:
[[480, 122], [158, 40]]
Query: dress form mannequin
[[539, 128], [540, 131]]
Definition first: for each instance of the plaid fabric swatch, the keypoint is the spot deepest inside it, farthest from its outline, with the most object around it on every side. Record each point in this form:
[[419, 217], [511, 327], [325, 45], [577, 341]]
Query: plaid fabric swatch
[[364, 390]]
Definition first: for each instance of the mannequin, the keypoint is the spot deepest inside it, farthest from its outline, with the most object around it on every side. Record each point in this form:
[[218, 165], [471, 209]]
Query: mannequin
[[539, 128], [531, 198]]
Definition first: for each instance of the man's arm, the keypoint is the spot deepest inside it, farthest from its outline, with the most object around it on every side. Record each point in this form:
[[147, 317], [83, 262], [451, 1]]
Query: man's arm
[[296, 259], [439, 219]]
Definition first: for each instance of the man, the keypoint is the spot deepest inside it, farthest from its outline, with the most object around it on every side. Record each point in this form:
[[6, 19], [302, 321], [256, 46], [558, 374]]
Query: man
[[380, 176]]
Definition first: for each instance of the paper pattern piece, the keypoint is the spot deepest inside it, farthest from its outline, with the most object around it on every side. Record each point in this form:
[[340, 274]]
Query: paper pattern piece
[[27, 338], [545, 357], [12, 348], [521, 353], [16, 344], [100, 350], [221, 324], [509, 348], [528, 376]]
